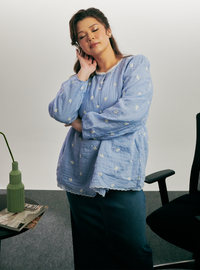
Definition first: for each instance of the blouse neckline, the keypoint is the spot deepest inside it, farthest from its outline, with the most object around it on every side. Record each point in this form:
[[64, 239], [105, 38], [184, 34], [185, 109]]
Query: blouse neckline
[[102, 73]]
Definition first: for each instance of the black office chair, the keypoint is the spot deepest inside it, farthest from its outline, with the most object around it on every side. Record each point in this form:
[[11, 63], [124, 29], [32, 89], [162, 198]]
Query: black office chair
[[178, 221]]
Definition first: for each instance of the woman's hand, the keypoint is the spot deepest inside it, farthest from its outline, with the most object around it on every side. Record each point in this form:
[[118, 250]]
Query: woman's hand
[[77, 125], [88, 65]]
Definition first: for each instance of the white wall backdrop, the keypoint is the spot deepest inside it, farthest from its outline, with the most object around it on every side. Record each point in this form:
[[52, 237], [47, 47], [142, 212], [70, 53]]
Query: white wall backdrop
[[36, 57]]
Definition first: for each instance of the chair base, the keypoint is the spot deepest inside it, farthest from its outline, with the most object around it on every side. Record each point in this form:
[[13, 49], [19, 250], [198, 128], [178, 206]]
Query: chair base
[[189, 264]]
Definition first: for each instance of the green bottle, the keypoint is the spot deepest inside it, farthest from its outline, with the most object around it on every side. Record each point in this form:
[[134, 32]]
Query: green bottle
[[15, 190]]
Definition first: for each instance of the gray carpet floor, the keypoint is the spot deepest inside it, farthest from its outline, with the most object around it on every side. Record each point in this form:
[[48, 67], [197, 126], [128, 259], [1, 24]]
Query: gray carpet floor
[[49, 245]]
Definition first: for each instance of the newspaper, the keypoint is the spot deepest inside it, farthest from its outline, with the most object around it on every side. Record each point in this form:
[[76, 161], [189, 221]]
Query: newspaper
[[17, 221]]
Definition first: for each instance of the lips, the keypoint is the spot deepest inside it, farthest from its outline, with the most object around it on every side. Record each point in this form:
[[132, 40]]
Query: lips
[[92, 45]]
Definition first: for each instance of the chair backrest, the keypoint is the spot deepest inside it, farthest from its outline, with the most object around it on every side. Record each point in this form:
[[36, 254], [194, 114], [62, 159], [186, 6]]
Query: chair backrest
[[195, 171]]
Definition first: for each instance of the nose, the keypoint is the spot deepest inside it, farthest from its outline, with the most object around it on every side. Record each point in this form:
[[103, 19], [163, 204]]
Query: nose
[[90, 37]]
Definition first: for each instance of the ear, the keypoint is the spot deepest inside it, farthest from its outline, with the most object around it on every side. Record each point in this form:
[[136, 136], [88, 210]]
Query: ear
[[78, 46], [109, 32]]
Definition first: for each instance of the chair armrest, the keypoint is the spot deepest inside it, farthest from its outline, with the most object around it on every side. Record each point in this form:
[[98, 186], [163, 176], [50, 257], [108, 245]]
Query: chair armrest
[[157, 176], [198, 217], [160, 177]]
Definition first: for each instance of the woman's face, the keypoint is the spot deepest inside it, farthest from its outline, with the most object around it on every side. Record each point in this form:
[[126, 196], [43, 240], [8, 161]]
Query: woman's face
[[93, 38]]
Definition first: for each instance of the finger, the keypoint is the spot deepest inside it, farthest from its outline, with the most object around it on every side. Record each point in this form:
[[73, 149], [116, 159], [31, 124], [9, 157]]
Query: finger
[[86, 56], [82, 53], [94, 62]]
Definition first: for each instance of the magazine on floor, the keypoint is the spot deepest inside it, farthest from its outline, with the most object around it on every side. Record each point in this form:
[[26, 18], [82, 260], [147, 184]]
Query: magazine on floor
[[25, 219]]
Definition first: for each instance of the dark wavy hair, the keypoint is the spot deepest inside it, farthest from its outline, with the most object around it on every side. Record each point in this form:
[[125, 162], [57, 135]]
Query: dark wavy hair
[[99, 16]]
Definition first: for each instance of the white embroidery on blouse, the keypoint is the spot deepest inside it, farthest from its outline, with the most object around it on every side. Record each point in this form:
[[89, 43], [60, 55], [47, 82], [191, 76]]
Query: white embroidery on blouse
[[80, 156], [126, 123], [136, 107], [138, 178], [117, 150], [137, 77], [105, 98], [81, 173], [72, 145], [148, 102], [101, 82], [114, 84], [73, 81], [55, 110], [131, 65], [89, 83], [58, 165], [80, 138], [95, 148], [139, 94], [115, 112], [70, 179], [112, 134], [150, 84], [82, 88], [81, 190], [69, 119], [129, 178], [72, 162], [98, 106], [144, 134], [99, 88], [112, 185], [92, 131], [100, 174], [146, 68], [116, 168], [131, 161], [70, 101], [92, 97], [100, 111], [101, 155], [106, 120]]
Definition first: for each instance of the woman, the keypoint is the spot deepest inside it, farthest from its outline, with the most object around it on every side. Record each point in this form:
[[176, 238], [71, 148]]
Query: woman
[[102, 161]]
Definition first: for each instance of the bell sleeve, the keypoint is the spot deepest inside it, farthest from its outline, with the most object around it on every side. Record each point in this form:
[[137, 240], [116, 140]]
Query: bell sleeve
[[64, 108], [130, 112]]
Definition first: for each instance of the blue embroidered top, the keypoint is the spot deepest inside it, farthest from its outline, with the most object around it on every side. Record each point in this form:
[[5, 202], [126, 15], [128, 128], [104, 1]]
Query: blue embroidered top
[[111, 152]]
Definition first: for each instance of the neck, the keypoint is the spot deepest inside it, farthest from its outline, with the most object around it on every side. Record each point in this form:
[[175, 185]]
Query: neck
[[106, 60]]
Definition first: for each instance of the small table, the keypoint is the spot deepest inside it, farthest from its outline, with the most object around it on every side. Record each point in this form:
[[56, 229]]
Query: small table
[[5, 233]]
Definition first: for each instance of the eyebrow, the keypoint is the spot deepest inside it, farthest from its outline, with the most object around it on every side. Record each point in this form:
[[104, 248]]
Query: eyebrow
[[89, 27]]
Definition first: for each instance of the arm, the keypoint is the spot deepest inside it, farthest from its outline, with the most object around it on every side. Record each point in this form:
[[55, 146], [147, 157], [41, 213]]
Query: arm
[[64, 108], [130, 112]]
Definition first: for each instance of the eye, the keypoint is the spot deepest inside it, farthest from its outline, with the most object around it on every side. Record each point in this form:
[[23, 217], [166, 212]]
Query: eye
[[95, 30], [82, 37]]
